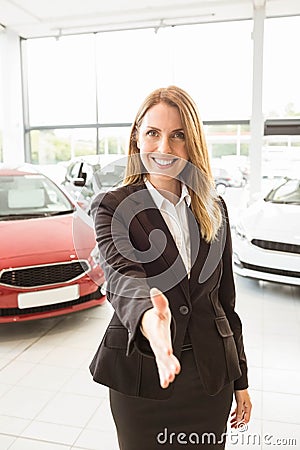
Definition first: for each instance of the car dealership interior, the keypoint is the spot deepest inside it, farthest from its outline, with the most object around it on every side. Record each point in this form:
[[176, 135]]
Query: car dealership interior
[[72, 76]]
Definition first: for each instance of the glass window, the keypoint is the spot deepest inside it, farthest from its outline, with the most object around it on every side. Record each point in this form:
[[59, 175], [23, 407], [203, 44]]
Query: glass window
[[226, 139], [281, 93], [53, 146], [213, 62], [281, 157], [1, 145], [1, 105], [130, 65], [61, 80], [216, 71], [113, 140]]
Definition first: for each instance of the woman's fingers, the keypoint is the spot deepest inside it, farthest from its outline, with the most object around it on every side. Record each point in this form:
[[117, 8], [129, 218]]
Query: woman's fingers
[[168, 369], [242, 412], [167, 363], [239, 411], [156, 326], [247, 414]]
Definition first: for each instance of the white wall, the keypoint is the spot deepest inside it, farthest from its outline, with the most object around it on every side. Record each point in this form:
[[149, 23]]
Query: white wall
[[11, 98]]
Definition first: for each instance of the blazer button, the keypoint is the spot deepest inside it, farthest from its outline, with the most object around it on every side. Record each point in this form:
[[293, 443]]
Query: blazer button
[[184, 310]]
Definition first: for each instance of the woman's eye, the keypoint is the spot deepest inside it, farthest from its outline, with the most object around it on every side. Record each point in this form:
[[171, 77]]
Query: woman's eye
[[152, 133], [179, 135]]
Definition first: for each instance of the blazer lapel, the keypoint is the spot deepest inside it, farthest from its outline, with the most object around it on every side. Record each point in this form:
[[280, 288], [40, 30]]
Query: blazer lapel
[[199, 250]]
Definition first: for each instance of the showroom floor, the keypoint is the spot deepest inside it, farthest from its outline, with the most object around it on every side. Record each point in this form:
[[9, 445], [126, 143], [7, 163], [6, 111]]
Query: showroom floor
[[48, 400]]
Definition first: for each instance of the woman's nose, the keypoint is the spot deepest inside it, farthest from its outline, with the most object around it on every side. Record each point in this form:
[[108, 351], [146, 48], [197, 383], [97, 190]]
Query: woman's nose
[[164, 145]]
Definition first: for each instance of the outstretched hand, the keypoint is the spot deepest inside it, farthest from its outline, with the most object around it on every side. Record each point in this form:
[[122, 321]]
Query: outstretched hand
[[156, 327]]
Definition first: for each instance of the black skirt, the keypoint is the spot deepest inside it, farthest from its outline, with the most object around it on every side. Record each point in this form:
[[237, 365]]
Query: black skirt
[[190, 419]]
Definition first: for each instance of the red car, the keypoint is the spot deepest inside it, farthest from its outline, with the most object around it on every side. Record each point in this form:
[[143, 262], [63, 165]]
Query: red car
[[48, 255]]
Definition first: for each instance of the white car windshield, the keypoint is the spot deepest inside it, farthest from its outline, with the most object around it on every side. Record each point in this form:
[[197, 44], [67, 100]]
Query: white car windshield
[[288, 193], [31, 195]]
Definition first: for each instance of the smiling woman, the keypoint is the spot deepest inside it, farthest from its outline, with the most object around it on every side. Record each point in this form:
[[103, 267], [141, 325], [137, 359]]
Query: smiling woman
[[181, 135], [165, 248]]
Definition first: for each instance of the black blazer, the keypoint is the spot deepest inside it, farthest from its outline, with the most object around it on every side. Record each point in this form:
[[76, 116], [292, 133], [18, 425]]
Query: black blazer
[[137, 252]]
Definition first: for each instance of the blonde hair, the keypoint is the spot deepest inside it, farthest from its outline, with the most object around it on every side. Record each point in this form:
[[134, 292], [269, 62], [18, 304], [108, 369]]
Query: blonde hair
[[197, 173]]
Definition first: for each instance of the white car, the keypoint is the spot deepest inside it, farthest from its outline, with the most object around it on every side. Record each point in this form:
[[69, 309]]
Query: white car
[[266, 240]]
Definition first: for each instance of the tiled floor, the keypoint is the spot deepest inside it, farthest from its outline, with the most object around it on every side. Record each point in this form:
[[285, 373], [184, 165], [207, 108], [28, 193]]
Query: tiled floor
[[48, 400], [47, 397]]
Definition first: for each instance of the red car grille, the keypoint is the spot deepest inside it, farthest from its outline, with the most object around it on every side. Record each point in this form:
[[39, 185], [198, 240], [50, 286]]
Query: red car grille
[[44, 275], [277, 246]]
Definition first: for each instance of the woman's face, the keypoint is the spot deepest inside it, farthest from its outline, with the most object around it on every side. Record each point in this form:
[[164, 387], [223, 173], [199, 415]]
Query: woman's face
[[162, 143]]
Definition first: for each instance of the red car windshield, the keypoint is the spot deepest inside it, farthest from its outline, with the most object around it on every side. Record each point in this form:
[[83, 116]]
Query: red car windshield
[[31, 195]]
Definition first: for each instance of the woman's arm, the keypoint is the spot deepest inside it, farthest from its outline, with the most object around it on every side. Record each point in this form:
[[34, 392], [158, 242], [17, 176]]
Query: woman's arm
[[242, 411], [127, 288], [138, 309], [227, 299]]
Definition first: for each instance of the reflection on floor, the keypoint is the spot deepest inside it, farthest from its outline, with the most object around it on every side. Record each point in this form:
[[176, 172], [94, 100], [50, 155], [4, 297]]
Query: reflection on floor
[[48, 400]]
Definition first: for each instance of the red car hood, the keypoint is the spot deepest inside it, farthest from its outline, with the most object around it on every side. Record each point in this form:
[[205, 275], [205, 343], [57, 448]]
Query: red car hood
[[44, 240]]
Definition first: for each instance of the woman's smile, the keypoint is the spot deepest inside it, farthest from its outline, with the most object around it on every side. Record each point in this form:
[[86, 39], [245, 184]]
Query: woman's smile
[[163, 162]]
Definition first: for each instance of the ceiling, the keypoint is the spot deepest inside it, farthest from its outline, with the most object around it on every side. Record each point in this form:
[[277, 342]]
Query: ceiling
[[37, 18]]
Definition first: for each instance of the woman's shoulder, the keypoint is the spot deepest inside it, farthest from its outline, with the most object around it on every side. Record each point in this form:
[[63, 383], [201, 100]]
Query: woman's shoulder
[[222, 206], [115, 195]]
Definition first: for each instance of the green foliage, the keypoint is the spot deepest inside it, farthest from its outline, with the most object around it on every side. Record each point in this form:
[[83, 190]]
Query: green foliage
[[219, 150], [244, 149], [112, 145], [48, 148], [277, 144], [86, 147], [289, 110]]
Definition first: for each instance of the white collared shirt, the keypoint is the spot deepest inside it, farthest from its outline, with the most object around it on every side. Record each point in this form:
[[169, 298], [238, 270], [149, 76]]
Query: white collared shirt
[[176, 219]]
